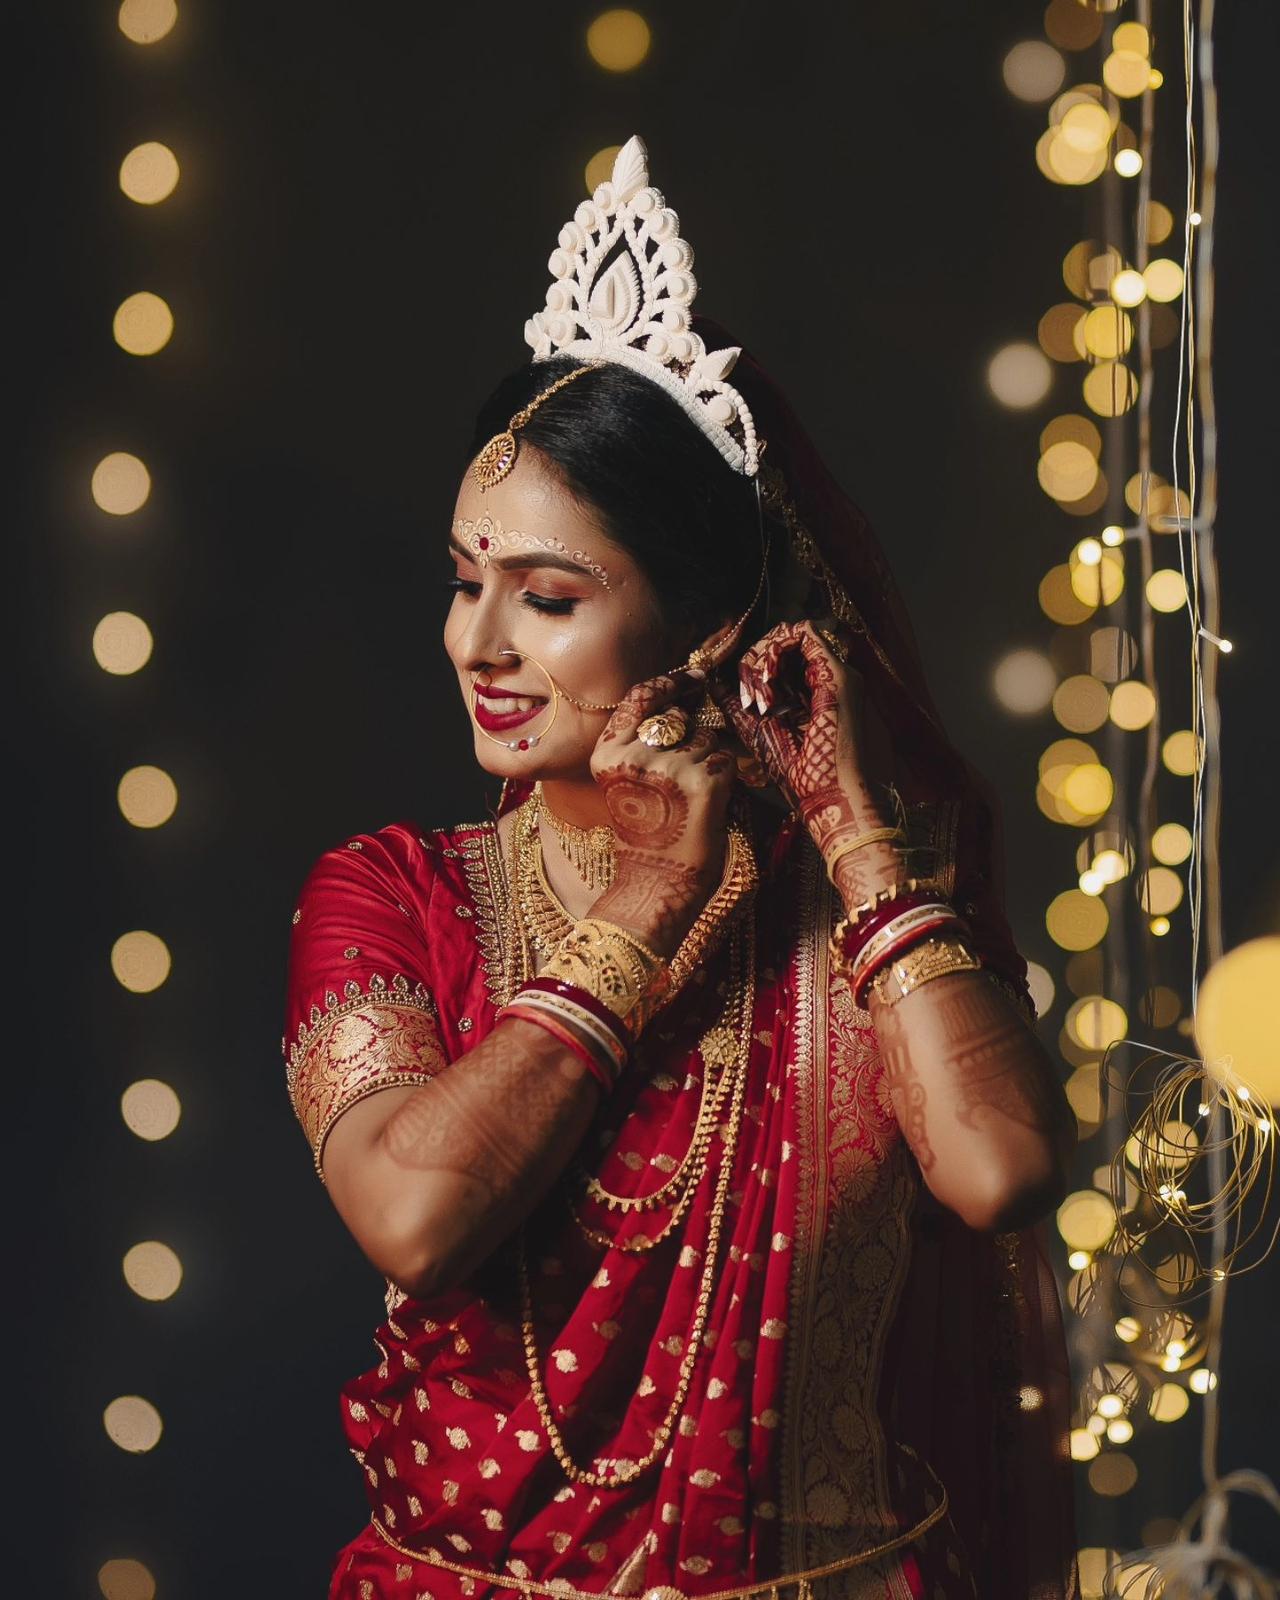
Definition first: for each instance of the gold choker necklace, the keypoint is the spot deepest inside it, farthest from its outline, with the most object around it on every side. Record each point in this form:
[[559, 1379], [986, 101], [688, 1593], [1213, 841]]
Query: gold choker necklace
[[591, 851]]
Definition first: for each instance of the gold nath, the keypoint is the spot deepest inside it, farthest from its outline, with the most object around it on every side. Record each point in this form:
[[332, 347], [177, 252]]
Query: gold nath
[[499, 455]]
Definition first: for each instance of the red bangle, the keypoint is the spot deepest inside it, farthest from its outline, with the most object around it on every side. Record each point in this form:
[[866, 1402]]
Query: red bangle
[[566, 1037], [860, 982], [588, 1002], [858, 933]]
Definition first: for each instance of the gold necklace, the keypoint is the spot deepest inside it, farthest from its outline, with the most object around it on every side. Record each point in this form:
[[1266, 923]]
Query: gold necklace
[[545, 920], [625, 1470], [591, 851]]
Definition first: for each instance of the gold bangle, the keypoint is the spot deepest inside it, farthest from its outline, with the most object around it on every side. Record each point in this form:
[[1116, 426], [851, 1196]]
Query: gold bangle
[[872, 837], [931, 958], [613, 964]]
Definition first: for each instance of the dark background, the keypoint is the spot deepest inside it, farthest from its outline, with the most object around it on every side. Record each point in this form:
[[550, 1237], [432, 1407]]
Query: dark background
[[367, 200]]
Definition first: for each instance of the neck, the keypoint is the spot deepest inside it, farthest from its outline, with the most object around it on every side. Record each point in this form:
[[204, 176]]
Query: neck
[[576, 800]]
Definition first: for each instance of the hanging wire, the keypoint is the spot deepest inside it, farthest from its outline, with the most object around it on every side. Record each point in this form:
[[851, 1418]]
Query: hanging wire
[[1191, 1567]]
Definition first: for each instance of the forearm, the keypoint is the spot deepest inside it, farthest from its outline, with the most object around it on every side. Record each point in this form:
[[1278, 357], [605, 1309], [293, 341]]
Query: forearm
[[473, 1151], [977, 1099], [463, 1159], [976, 1095]]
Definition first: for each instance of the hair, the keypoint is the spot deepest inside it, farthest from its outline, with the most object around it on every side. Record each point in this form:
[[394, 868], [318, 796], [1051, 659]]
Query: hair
[[627, 452]]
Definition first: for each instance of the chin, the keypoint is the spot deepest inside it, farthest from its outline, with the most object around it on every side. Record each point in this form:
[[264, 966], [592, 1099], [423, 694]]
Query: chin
[[530, 765]]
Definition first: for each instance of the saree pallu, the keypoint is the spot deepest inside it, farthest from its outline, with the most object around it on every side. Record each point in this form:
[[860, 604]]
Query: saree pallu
[[861, 1345]]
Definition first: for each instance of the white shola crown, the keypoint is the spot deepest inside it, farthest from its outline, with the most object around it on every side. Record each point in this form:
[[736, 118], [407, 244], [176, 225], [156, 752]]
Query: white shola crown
[[623, 290]]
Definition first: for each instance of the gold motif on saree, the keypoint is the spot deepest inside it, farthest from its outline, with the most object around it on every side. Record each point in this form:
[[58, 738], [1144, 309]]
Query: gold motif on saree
[[857, 1186]]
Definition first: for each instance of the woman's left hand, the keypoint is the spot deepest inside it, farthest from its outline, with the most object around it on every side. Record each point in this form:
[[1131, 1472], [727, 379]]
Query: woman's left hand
[[799, 713]]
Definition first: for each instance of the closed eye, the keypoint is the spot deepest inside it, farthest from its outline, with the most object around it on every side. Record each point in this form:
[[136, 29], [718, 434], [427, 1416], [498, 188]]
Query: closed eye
[[559, 606]]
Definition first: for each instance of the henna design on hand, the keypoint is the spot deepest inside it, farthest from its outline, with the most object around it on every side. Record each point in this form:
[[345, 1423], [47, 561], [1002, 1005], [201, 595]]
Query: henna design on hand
[[652, 895], [648, 808]]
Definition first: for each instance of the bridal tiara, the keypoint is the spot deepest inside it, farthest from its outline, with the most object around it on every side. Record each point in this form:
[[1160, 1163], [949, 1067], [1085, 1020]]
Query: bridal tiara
[[622, 290]]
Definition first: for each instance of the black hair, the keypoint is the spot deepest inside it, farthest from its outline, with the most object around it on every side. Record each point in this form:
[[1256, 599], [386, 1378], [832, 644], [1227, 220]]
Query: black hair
[[629, 453]]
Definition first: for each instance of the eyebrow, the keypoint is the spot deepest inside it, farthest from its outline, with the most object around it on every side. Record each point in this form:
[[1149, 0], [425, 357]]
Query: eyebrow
[[518, 562]]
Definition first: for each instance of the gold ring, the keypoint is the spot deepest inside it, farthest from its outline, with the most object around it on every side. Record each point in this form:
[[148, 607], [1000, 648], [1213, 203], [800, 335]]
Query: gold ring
[[664, 730]]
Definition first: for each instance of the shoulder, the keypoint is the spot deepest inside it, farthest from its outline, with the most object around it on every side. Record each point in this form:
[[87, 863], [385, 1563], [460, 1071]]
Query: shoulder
[[402, 858]]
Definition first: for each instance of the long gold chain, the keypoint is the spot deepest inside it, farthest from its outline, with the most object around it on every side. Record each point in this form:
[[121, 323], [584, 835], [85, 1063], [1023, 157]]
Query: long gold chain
[[547, 922], [625, 1470]]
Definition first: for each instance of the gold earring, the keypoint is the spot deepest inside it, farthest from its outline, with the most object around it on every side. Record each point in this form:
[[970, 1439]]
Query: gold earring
[[708, 714]]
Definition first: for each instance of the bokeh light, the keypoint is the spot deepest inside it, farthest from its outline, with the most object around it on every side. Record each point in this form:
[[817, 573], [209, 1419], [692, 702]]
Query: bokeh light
[[140, 961], [145, 21], [1019, 375], [147, 796], [1024, 681], [1169, 1402], [1113, 1474], [1171, 843], [149, 173], [1040, 983], [1179, 751], [618, 40], [150, 1109], [120, 483], [143, 324], [125, 1579], [121, 643], [1033, 70], [1159, 891], [1132, 705], [1094, 1022], [133, 1423], [1086, 1219], [1059, 600], [600, 168], [1238, 1014], [1076, 921], [1164, 279], [1081, 702], [1166, 590], [152, 1270]]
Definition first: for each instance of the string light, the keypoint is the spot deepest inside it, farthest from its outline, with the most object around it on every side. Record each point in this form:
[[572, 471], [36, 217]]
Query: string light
[[1176, 301]]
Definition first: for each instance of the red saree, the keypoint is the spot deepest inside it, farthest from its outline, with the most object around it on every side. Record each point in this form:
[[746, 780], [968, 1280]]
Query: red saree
[[857, 1330], [863, 1345]]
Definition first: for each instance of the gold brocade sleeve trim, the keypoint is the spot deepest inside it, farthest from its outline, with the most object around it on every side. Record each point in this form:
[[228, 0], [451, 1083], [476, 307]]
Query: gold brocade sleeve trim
[[370, 1040]]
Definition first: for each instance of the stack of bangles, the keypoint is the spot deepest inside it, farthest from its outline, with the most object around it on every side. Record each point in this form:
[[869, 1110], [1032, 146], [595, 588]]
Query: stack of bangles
[[886, 941], [594, 994]]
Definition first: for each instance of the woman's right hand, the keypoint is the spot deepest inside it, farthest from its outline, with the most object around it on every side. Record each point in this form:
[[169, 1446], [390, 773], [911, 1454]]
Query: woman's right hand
[[668, 810]]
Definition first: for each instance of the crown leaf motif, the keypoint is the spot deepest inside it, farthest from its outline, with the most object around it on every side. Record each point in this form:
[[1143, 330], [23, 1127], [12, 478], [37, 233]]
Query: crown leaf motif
[[623, 289]]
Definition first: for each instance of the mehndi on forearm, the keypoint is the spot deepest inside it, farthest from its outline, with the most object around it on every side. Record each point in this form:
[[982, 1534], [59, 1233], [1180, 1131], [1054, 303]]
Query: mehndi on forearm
[[977, 1098]]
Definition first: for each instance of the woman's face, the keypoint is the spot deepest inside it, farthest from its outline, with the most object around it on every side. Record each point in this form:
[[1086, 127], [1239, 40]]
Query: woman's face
[[535, 574]]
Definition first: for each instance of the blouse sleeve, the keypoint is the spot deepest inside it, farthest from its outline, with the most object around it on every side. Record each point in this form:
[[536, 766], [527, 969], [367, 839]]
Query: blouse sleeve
[[360, 1013]]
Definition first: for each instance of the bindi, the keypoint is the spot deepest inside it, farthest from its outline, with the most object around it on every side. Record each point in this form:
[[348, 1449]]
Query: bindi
[[486, 539]]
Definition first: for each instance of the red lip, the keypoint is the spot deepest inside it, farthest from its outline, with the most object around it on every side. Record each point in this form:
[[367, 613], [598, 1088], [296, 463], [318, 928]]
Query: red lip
[[494, 691], [498, 722]]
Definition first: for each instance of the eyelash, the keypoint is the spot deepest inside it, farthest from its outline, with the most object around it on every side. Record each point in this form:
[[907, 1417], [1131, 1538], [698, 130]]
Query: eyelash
[[536, 602]]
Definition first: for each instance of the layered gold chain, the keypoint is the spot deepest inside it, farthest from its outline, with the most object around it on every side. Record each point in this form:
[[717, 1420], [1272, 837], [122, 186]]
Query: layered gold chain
[[540, 922], [742, 1002]]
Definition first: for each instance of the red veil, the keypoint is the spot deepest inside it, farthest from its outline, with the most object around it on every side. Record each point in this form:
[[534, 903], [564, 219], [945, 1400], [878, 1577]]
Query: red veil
[[977, 1378]]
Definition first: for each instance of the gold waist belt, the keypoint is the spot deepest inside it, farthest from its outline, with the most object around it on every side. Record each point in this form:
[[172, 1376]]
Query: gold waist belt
[[769, 1587]]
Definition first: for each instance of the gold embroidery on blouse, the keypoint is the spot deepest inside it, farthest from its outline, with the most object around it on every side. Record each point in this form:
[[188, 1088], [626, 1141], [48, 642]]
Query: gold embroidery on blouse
[[368, 1041], [487, 882]]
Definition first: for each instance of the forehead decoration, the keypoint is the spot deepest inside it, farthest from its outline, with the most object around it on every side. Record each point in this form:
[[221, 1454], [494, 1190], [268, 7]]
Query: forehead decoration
[[485, 539]]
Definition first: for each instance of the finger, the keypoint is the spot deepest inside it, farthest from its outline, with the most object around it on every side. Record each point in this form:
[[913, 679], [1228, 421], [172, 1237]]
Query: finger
[[700, 743], [639, 702], [774, 746]]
